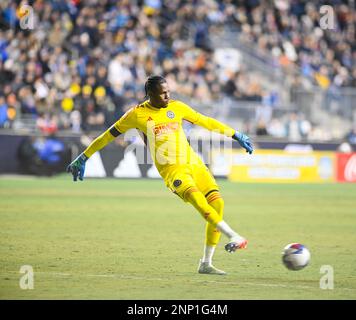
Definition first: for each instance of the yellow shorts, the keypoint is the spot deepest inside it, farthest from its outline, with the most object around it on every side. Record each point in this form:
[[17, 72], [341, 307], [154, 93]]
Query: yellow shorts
[[180, 178]]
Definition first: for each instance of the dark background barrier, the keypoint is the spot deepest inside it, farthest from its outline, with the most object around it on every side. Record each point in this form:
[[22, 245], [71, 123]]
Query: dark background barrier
[[38, 155]]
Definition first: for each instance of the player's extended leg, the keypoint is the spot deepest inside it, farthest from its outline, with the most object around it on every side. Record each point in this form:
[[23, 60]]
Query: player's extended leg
[[185, 187], [198, 200], [207, 184], [182, 183]]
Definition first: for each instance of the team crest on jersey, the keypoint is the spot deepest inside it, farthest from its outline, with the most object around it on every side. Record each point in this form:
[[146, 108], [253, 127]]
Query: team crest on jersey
[[170, 114], [177, 183]]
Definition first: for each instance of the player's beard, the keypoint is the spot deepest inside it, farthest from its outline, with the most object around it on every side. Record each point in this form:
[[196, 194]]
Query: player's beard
[[163, 104]]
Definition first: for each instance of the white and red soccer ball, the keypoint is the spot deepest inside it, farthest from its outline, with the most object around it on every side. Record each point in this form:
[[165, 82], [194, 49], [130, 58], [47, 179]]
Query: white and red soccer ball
[[295, 256]]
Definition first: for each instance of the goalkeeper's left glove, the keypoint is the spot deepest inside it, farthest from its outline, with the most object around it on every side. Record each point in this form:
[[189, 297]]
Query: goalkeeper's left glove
[[77, 167], [244, 141]]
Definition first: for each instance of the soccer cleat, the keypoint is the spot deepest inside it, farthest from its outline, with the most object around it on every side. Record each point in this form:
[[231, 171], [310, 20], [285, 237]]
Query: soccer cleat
[[236, 243], [206, 268]]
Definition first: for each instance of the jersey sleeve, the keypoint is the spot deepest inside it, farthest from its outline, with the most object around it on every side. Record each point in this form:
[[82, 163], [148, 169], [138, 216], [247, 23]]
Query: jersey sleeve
[[127, 121], [189, 114], [211, 124]]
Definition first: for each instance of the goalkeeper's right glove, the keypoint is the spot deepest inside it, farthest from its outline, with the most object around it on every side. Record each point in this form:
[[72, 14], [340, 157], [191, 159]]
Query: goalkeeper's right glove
[[244, 141], [77, 167]]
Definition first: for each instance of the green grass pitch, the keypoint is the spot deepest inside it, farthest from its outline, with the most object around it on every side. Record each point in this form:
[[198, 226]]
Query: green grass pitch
[[133, 239]]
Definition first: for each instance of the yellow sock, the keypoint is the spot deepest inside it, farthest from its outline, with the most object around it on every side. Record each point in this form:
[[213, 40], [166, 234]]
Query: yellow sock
[[197, 199], [212, 234]]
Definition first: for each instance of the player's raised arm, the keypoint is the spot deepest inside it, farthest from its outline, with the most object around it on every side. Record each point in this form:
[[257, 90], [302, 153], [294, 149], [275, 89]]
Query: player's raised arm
[[77, 166], [215, 125]]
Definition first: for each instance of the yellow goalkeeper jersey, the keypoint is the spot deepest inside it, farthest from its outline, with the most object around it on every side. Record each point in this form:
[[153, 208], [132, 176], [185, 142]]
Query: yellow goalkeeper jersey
[[163, 131]]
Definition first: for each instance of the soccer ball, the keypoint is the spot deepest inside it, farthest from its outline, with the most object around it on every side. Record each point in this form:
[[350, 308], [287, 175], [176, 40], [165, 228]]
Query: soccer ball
[[295, 256]]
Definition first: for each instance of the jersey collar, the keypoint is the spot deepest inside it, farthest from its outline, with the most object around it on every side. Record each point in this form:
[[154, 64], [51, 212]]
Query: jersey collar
[[154, 108]]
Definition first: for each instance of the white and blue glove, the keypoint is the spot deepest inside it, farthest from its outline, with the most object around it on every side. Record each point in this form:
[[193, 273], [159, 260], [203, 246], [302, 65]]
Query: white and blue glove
[[244, 141], [77, 167]]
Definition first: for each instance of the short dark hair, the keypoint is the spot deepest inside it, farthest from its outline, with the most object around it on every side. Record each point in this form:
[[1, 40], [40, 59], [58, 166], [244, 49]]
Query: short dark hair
[[152, 82]]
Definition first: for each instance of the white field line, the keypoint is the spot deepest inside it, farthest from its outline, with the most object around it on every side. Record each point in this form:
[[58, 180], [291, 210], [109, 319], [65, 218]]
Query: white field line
[[128, 277]]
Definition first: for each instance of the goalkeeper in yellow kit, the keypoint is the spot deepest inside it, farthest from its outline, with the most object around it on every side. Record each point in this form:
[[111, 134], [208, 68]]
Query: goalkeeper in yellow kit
[[159, 120]]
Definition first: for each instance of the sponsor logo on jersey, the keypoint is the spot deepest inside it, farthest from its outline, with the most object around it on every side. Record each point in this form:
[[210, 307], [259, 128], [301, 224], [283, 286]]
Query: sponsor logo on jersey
[[170, 114], [350, 169], [165, 128]]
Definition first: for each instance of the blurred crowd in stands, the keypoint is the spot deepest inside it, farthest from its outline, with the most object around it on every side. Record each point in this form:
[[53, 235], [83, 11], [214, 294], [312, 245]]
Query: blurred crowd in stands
[[85, 62], [291, 33]]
